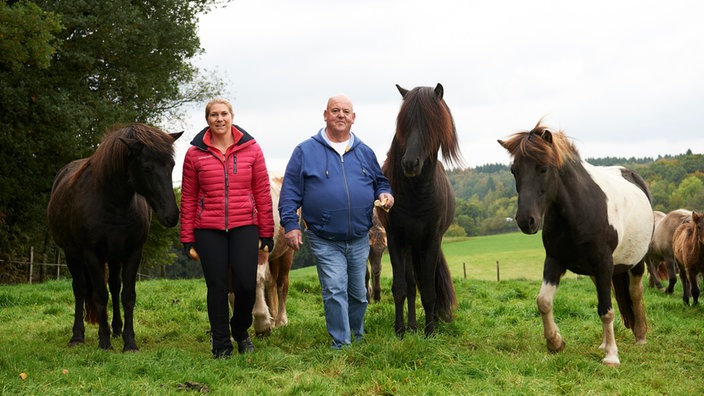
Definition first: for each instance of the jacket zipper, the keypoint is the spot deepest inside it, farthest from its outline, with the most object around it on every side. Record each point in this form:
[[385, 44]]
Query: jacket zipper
[[227, 192], [349, 203]]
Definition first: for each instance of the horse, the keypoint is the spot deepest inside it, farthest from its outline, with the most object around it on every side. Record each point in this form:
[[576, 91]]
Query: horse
[[424, 207], [377, 245], [661, 253], [99, 212], [687, 242], [596, 221], [272, 275]]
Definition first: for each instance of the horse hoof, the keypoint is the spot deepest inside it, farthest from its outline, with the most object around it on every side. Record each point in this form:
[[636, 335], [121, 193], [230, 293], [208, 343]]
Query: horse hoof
[[611, 363], [130, 349], [556, 348], [75, 342]]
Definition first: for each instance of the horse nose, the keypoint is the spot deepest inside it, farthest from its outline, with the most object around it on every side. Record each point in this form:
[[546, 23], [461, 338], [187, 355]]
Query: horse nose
[[411, 167]]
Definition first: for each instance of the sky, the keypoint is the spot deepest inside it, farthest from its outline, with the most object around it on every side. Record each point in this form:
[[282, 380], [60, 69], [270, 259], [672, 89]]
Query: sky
[[621, 78]]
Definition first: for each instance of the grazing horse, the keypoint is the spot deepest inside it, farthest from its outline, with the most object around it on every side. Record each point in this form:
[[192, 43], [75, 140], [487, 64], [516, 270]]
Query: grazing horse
[[597, 221], [377, 245], [660, 251], [99, 212], [272, 275], [687, 242], [424, 206]]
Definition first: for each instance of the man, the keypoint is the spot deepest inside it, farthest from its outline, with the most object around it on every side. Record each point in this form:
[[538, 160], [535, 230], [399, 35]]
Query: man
[[334, 178]]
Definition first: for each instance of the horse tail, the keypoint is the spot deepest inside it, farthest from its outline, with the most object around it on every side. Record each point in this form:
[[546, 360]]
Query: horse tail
[[446, 300], [621, 283], [91, 311], [662, 271]]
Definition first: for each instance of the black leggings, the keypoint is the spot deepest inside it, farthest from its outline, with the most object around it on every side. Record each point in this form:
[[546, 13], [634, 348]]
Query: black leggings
[[236, 250]]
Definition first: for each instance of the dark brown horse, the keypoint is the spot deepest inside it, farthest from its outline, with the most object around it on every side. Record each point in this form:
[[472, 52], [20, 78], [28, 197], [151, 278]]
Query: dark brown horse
[[99, 212], [660, 252], [688, 244], [596, 221], [377, 245], [424, 206]]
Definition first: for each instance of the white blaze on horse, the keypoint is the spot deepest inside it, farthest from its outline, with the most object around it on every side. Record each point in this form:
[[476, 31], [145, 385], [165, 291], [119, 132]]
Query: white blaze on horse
[[596, 221]]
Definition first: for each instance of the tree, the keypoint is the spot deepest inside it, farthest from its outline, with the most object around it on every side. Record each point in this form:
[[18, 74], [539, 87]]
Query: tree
[[86, 66]]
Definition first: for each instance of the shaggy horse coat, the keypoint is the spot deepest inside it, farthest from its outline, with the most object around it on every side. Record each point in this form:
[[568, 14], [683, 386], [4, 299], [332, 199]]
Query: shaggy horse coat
[[596, 221]]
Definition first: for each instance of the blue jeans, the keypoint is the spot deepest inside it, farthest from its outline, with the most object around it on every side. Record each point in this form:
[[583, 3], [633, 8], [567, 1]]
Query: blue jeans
[[341, 267]]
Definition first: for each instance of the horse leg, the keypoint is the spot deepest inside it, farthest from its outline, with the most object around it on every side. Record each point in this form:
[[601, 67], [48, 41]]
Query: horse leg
[[653, 279], [425, 264], [284, 264], [635, 290], [96, 276], [115, 284], [129, 298], [367, 276], [692, 274], [672, 274], [262, 319], [399, 288], [545, 299], [376, 275], [605, 310], [686, 287], [79, 286]]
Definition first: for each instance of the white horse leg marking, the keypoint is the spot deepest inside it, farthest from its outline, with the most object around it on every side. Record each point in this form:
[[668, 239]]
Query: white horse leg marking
[[608, 340], [262, 317], [550, 330]]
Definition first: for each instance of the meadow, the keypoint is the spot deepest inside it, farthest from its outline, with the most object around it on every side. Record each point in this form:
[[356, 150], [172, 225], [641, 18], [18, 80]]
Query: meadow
[[494, 346]]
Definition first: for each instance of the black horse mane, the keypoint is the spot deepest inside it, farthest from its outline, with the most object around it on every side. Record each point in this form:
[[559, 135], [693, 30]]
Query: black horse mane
[[113, 151], [423, 108], [546, 147]]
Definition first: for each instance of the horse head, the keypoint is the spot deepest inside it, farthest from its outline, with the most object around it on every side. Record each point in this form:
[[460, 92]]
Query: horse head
[[535, 174], [150, 164], [424, 126]]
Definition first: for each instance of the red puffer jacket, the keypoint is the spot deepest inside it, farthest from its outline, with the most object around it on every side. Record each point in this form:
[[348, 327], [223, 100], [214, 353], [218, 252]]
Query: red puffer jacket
[[223, 193]]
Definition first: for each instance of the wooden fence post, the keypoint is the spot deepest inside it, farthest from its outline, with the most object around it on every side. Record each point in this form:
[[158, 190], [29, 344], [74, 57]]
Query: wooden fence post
[[31, 262], [464, 268], [498, 276], [58, 265]]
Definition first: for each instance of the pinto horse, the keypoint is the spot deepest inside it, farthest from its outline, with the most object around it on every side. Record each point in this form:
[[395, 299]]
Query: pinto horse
[[99, 212], [688, 242], [424, 206], [597, 221], [660, 251], [272, 275], [377, 245]]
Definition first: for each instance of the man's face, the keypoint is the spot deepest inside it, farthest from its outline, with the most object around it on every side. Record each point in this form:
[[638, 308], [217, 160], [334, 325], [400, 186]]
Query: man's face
[[339, 116]]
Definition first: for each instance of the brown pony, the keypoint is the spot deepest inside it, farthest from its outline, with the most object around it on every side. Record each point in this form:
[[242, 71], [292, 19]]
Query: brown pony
[[687, 243], [424, 206], [272, 275], [660, 252], [377, 245]]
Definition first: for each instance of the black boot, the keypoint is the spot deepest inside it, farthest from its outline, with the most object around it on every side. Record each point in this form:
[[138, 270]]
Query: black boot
[[245, 346]]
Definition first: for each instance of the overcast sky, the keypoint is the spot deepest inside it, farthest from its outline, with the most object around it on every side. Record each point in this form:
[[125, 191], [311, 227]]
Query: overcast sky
[[621, 78]]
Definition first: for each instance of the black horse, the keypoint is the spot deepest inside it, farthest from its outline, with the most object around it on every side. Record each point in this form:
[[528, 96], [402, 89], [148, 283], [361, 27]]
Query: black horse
[[99, 213], [424, 206], [597, 221]]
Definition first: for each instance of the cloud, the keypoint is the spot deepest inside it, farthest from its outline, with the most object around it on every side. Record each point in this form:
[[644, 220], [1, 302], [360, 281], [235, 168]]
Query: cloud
[[623, 78]]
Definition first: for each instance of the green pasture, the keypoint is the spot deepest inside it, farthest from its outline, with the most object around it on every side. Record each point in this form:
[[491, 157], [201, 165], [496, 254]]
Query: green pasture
[[494, 346]]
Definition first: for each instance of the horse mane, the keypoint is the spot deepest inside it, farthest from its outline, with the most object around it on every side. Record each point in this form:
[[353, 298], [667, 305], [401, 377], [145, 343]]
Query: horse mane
[[421, 106], [113, 151], [542, 145]]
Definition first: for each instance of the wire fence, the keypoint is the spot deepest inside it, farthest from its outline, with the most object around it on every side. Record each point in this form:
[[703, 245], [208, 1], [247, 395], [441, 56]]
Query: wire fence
[[32, 271]]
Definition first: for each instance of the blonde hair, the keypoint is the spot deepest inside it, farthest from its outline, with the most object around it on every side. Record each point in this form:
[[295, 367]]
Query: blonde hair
[[218, 101]]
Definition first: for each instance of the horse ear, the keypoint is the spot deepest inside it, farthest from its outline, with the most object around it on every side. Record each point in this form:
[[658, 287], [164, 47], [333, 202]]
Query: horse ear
[[402, 90], [176, 135], [547, 136], [502, 143], [439, 90]]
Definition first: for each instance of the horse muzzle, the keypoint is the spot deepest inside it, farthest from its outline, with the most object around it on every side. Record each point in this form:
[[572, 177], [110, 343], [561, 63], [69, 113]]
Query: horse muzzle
[[528, 224]]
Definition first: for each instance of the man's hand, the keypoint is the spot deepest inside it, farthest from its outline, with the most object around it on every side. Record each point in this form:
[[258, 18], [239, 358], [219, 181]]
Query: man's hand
[[294, 239]]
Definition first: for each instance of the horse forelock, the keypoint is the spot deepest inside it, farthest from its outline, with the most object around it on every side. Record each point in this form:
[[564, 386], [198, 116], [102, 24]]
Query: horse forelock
[[112, 153], [532, 145], [423, 110]]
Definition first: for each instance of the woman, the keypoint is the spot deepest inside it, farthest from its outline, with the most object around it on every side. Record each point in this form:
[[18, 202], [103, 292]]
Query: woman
[[226, 214]]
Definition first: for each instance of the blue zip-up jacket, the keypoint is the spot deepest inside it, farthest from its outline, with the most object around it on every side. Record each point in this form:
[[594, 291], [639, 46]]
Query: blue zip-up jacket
[[336, 195]]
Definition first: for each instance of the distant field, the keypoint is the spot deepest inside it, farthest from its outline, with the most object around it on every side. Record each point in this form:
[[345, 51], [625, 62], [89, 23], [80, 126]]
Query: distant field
[[520, 256]]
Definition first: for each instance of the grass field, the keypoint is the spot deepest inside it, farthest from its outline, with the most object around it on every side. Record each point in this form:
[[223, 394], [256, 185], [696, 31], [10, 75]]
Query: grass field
[[494, 346]]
